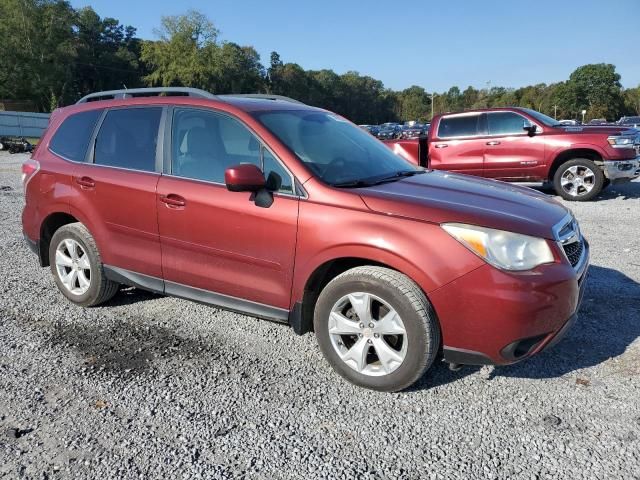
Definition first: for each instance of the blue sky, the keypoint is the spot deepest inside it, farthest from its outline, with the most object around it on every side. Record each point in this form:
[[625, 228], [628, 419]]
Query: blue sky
[[436, 45]]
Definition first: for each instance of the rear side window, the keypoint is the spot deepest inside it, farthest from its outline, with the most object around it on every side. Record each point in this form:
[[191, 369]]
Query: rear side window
[[128, 138], [505, 123], [458, 126], [72, 137]]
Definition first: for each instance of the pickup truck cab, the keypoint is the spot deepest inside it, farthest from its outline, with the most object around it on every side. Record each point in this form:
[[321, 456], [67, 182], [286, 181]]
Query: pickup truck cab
[[522, 145]]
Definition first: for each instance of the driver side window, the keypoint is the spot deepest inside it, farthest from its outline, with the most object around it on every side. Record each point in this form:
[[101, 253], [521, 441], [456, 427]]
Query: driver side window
[[505, 123], [206, 143]]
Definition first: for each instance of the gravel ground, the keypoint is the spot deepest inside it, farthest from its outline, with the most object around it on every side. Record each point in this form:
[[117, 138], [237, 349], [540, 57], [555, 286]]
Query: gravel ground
[[154, 387]]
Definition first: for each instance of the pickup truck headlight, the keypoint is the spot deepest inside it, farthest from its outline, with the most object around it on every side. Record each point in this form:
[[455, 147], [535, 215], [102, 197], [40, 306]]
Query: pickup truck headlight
[[504, 250], [619, 142]]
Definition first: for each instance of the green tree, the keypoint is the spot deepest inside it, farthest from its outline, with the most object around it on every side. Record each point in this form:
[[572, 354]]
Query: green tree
[[632, 101], [107, 54], [414, 104], [37, 51], [185, 53], [469, 98], [597, 89]]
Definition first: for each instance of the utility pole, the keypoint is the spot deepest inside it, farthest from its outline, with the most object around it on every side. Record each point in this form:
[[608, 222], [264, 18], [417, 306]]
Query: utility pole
[[555, 112], [432, 99]]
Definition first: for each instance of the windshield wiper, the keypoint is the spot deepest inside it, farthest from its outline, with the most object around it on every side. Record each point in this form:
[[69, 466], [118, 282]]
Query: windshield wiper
[[353, 184], [377, 180], [397, 176]]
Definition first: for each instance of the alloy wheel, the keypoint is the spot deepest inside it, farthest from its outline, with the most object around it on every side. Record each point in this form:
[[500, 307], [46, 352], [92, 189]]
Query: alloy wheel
[[578, 180], [367, 334], [73, 266]]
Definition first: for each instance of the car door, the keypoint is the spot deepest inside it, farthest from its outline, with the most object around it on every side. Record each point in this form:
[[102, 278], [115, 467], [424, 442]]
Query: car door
[[510, 152], [115, 189], [458, 145], [219, 244]]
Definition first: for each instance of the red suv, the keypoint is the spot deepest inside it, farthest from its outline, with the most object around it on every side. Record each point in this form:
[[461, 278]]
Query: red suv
[[265, 206], [522, 145]]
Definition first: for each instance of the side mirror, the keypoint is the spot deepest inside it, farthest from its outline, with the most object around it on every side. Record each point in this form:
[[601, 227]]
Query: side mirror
[[244, 178], [530, 128]]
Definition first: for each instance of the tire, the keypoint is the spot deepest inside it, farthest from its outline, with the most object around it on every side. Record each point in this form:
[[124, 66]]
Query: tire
[[583, 170], [1, 146], [413, 351], [86, 263]]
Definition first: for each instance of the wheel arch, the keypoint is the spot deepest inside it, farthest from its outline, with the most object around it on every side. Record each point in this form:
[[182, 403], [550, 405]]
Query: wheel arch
[[301, 318], [590, 153], [48, 227]]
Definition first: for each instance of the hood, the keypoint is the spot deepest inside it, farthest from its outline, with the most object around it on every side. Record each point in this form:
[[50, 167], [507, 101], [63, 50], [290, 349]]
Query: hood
[[603, 129], [440, 197]]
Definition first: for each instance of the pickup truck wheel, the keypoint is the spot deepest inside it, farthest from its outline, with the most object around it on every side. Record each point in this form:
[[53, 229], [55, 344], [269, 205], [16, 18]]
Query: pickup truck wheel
[[77, 267], [376, 328], [578, 180]]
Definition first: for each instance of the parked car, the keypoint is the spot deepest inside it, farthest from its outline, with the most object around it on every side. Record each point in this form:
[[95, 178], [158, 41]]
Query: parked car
[[522, 145], [598, 121], [372, 129], [412, 131], [15, 144], [389, 131], [633, 122], [279, 210], [569, 122]]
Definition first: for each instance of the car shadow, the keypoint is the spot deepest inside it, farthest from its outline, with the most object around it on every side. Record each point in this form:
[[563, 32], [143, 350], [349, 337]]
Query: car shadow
[[608, 323], [130, 295], [624, 191]]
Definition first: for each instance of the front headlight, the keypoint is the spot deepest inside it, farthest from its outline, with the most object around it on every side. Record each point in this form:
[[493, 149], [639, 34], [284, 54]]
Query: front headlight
[[616, 141], [505, 250]]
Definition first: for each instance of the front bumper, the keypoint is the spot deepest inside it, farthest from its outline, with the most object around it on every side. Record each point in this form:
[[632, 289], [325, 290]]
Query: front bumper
[[489, 317], [621, 169]]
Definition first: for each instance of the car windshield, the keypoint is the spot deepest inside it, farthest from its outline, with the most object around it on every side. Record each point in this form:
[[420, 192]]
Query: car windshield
[[541, 117], [338, 152], [631, 120]]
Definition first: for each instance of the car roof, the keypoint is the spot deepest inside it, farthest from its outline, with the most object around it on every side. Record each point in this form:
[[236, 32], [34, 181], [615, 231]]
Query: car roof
[[229, 103]]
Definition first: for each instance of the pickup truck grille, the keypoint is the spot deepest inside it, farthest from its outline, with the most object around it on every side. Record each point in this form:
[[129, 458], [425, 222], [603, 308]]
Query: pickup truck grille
[[574, 251]]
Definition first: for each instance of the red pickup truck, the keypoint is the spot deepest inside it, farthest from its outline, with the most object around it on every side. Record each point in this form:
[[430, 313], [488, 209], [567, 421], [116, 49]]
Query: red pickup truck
[[522, 145]]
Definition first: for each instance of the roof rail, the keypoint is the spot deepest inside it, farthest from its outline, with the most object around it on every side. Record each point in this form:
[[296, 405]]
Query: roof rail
[[264, 96], [147, 92]]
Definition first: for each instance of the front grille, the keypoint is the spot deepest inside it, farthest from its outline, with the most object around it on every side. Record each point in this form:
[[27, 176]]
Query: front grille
[[574, 251]]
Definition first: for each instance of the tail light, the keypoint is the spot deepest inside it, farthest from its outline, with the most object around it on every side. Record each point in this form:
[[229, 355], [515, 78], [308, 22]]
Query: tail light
[[29, 169]]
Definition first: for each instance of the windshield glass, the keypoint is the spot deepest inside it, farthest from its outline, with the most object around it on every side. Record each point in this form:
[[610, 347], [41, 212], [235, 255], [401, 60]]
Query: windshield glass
[[541, 117], [631, 120], [337, 151]]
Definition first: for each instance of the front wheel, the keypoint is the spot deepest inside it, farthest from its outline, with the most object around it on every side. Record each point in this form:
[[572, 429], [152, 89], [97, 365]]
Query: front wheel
[[376, 328], [579, 180]]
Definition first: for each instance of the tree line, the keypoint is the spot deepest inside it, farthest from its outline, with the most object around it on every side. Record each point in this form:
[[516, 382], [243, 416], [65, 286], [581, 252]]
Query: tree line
[[52, 54]]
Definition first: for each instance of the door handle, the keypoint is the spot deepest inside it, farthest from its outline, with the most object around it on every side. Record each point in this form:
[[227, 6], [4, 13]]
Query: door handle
[[441, 145], [493, 142], [85, 182], [173, 200]]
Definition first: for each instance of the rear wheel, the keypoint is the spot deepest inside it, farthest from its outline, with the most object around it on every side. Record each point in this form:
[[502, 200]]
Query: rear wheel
[[376, 328], [579, 179], [77, 267]]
